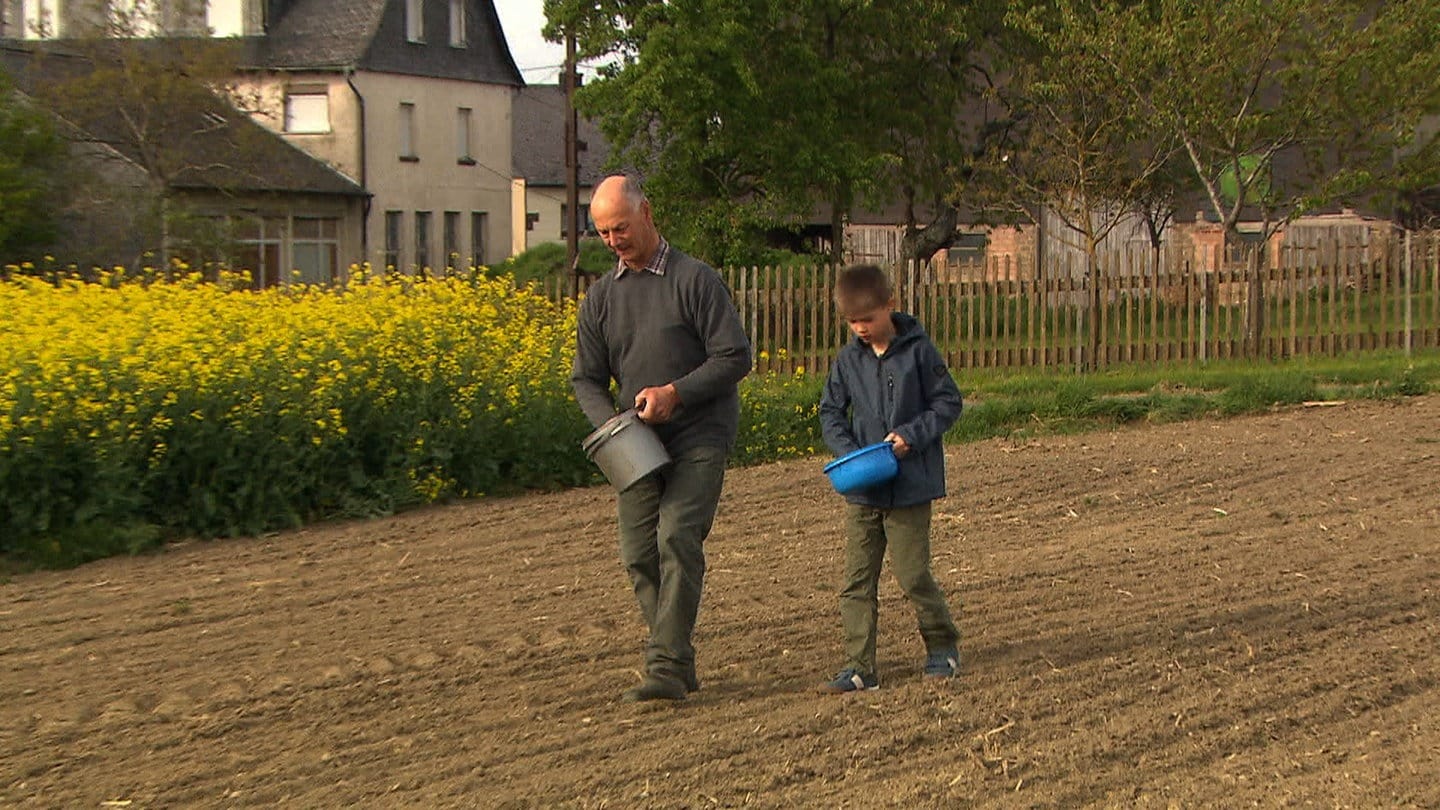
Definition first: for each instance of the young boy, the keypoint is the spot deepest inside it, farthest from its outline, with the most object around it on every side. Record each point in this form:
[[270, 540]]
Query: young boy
[[889, 384]]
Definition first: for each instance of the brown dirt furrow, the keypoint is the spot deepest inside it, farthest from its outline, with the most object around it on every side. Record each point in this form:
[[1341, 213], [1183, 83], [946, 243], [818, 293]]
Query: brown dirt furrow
[[1205, 614]]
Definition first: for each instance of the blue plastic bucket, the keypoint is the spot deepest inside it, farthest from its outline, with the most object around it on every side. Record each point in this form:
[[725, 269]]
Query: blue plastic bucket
[[867, 467]]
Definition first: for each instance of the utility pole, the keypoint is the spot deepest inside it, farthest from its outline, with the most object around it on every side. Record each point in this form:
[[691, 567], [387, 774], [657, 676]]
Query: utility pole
[[572, 166]]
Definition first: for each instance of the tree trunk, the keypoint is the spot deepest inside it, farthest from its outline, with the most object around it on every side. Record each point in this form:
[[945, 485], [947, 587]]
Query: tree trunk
[[920, 243], [837, 235], [1092, 274]]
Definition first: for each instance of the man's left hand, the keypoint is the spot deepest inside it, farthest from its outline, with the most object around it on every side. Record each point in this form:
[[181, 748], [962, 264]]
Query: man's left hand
[[657, 404]]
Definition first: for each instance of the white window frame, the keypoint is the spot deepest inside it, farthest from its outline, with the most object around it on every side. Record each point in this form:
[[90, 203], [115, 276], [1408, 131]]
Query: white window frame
[[464, 119], [407, 131], [40, 19], [307, 111], [415, 21], [479, 224], [423, 247], [394, 240], [457, 24], [265, 235], [451, 242], [225, 18], [129, 18], [322, 248]]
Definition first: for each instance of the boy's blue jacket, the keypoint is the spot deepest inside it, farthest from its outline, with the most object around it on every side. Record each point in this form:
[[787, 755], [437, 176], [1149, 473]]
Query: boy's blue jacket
[[909, 391]]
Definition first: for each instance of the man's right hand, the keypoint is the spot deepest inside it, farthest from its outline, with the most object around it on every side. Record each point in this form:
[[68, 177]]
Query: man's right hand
[[657, 404]]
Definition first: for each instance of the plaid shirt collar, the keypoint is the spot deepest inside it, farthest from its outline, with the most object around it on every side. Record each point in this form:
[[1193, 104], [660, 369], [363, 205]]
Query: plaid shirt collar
[[656, 264]]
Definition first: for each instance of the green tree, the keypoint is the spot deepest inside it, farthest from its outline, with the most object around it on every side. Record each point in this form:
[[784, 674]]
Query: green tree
[[747, 116], [32, 167], [1325, 90], [1285, 106], [1077, 151], [1268, 109]]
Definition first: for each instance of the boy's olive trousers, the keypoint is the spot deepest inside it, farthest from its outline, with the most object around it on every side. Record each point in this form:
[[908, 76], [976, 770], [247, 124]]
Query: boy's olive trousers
[[906, 532], [664, 520]]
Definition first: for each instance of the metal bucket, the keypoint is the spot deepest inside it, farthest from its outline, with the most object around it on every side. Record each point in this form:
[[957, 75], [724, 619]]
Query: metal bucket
[[625, 449]]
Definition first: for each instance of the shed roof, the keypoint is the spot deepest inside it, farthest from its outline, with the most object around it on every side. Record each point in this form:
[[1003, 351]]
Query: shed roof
[[207, 142]]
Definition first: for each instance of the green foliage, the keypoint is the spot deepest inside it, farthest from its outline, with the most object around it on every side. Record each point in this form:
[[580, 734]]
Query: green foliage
[[1408, 384], [546, 262], [744, 117], [1017, 406], [779, 418], [1337, 89], [750, 116], [1078, 144], [1258, 393], [1004, 416], [32, 161]]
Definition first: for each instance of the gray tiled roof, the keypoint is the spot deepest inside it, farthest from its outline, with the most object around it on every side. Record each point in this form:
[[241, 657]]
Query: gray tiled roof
[[370, 35], [538, 130], [208, 144], [322, 33]]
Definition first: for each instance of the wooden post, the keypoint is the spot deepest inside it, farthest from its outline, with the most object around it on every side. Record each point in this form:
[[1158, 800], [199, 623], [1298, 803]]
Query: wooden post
[[1204, 322], [572, 163], [1409, 313]]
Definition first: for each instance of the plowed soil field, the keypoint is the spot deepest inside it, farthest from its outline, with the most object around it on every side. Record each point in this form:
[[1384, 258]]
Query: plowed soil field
[[1217, 613]]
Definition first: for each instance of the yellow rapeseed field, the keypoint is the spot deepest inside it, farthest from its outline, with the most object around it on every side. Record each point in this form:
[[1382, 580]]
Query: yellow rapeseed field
[[223, 411], [134, 407]]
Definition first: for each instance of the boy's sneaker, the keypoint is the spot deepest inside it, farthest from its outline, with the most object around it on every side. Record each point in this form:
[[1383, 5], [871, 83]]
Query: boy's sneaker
[[850, 680], [943, 663]]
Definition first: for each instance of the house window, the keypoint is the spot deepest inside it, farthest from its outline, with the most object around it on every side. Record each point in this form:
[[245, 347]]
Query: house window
[[415, 20], [452, 241], [968, 247], [225, 18], [41, 19], [463, 116], [422, 242], [479, 221], [394, 221], [307, 110], [407, 131], [260, 240], [137, 18], [457, 23], [315, 249], [587, 226]]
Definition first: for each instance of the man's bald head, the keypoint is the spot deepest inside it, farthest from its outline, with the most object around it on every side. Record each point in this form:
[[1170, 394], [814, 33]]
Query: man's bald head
[[622, 216]]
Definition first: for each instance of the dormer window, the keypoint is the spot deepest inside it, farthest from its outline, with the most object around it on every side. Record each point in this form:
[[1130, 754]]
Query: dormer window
[[135, 18], [415, 20], [225, 18], [457, 23], [41, 19]]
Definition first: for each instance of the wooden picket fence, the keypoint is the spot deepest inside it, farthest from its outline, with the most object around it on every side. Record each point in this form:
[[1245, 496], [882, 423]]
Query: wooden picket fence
[[1309, 305]]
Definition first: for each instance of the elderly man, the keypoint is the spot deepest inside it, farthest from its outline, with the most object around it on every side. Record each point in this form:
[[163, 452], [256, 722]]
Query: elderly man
[[662, 326]]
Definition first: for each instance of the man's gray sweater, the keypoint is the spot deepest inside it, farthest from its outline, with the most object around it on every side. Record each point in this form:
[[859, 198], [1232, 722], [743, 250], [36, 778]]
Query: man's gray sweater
[[642, 329]]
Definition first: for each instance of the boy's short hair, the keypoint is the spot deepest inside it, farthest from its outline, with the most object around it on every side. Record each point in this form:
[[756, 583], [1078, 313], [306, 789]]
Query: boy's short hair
[[862, 288]]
